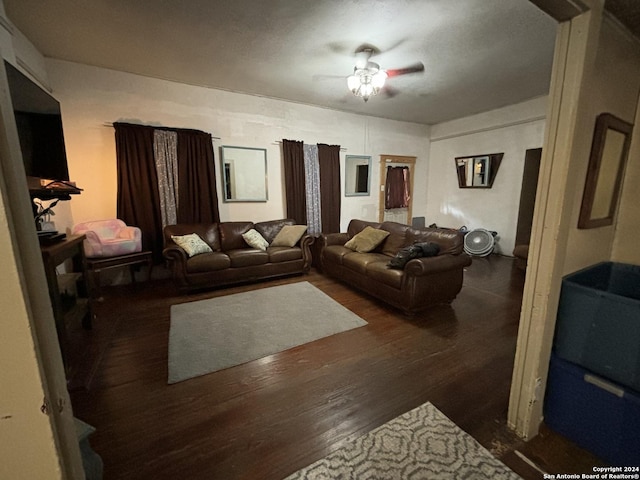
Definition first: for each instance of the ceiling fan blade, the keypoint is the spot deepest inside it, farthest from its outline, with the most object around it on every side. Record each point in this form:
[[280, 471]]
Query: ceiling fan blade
[[390, 92], [415, 68], [320, 77], [368, 48]]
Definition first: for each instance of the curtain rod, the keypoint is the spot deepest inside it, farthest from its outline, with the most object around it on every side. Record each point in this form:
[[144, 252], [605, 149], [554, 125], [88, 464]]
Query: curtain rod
[[109, 124], [279, 142]]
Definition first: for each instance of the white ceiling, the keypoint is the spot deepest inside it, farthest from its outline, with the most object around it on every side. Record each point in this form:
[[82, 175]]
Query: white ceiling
[[478, 54]]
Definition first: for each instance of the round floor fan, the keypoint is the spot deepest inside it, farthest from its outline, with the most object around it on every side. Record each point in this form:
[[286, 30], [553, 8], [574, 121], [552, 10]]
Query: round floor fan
[[479, 242]]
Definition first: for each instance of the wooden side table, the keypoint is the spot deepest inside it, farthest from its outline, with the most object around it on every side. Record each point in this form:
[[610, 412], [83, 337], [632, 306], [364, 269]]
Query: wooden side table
[[95, 265], [68, 311]]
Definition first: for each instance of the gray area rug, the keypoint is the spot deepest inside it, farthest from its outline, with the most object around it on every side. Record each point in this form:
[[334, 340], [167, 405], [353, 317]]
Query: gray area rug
[[421, 444], [210, 335]]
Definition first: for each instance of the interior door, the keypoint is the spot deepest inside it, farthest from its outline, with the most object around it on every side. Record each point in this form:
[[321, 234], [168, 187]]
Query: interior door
[[400, 215]]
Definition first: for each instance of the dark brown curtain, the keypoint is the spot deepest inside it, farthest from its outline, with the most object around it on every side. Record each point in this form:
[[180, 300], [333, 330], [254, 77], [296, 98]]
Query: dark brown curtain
[[329, 160], [294, 180], [197, 192], [138, 200], [397, 188]]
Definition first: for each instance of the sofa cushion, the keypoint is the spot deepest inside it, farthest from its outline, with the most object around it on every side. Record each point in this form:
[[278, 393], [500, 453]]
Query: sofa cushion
[[379, 272], [247, 257], [207, 231], [231, 235], [359, 261], [284, 254], [208, 262], [191, 243], [289, 235], [367, 240], [356, 226], [270, 229], [335, 253], [255, 240], [397, 238], [450, 241]]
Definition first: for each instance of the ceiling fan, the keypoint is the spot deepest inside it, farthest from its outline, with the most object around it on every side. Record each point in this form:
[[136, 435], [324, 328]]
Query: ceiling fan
[[369, 79]]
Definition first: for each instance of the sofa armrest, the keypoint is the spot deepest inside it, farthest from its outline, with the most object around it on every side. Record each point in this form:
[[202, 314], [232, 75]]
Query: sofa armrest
[[327, 239], [305, 244], [174, 253], [90, 235], [306, 241], [92, 244], [130, 233], [429, 265]]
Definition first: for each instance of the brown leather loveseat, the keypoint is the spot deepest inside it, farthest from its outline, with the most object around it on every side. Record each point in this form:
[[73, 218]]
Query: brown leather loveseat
[[423, 281], [230, 259]]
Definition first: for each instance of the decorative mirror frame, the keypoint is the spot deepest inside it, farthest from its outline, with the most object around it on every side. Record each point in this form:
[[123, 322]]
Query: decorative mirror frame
[[495, 161], [258, 166], [606, 169], [356, 160]]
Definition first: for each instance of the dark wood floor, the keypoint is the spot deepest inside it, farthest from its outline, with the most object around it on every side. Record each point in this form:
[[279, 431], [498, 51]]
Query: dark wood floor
[[268, 418]]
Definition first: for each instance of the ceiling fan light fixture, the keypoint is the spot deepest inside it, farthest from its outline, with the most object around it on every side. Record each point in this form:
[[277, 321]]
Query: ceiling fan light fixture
[[378, 79], [366, 81], [353, 82]]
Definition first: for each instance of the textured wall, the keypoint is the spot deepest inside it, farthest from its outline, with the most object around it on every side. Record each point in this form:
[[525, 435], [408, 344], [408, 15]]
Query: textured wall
[[617, 94], [511, 130], [91, 96]]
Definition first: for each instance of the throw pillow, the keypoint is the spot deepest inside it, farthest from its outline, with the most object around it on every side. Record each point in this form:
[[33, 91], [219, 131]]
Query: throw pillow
[[404, 255], [255, 240], [192, 244], [429, 249], [367, 240], [289, 235]]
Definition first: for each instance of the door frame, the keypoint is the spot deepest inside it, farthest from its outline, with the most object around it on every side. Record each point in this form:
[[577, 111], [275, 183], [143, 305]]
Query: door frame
[[575, 42], [385, 160], [530, 176]]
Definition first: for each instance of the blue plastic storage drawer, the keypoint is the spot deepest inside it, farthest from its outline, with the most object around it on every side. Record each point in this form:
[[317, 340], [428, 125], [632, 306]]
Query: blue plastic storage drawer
[[598, 322], [597, 415]]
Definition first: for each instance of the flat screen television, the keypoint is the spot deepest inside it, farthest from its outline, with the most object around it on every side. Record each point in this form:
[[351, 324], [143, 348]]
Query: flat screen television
[[39, 125]]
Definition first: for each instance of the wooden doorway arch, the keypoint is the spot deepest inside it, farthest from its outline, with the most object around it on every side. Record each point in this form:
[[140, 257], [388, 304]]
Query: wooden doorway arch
[[395, 160]]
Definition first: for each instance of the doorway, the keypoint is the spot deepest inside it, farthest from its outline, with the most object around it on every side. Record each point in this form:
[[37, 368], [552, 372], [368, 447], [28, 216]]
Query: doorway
[[528, 195], [396, 188]]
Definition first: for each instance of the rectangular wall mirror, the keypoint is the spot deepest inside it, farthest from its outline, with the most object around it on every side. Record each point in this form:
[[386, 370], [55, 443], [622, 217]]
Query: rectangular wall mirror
[[478, 171], [357, 173], [609, 150], [244, 174]]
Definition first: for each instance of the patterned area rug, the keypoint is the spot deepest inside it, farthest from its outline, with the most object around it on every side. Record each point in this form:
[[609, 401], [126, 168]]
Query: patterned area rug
[[421, 444], [209, 335]]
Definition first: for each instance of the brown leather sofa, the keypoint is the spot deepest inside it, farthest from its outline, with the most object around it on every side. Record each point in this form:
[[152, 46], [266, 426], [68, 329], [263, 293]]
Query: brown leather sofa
[[423, 282], [232, 260]]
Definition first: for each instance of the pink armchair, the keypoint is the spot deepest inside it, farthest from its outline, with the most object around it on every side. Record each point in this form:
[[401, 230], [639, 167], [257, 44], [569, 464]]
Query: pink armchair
[[109, 238]]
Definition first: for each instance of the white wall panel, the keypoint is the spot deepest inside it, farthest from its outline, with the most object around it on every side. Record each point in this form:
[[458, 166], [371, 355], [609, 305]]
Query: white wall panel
[[511, 131], [91, 97]]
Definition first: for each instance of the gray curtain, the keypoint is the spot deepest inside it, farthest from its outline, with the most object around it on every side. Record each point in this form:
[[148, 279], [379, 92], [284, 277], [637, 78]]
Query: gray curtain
[[312, 184], [165, 150]]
